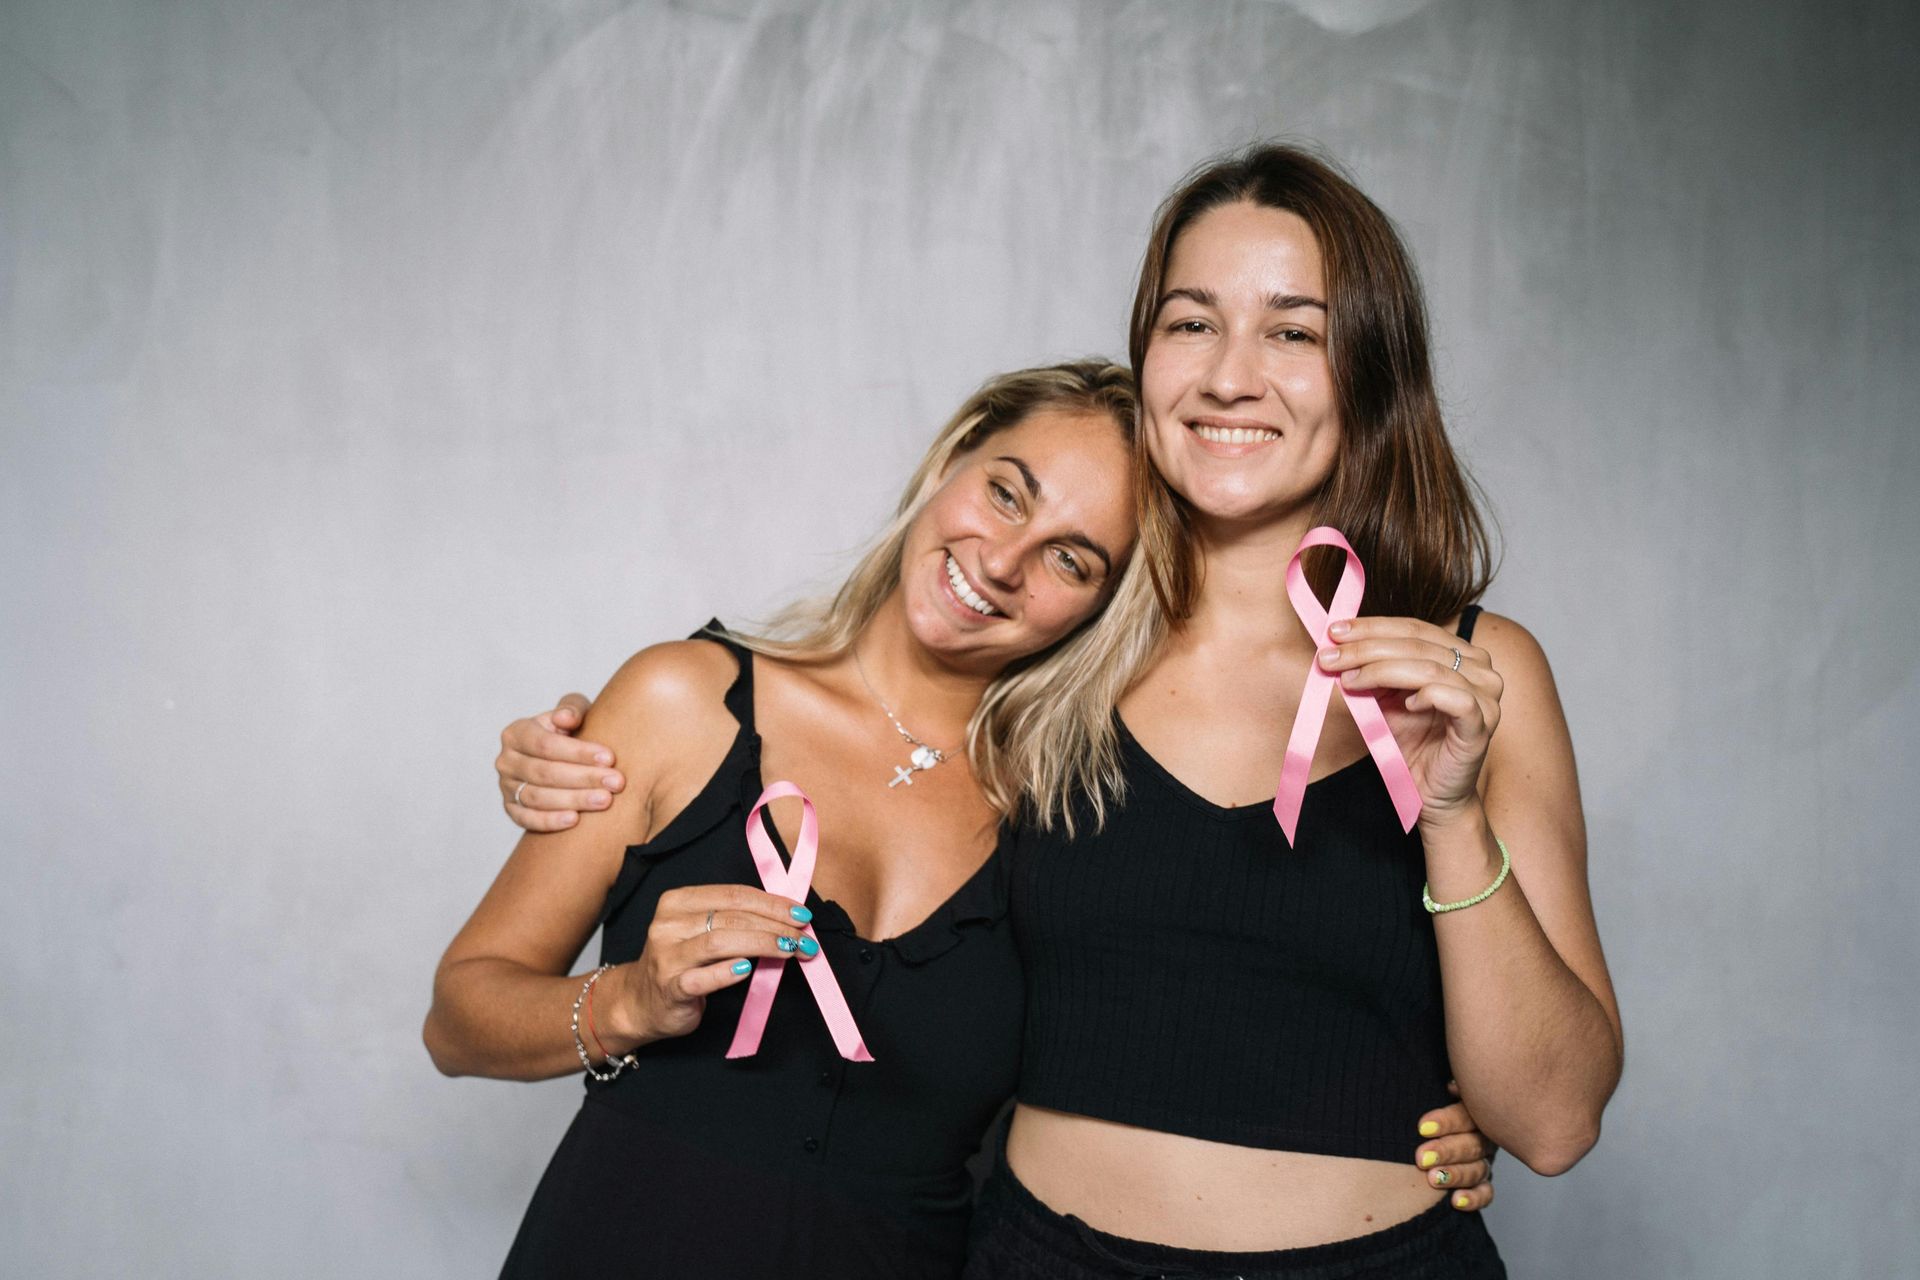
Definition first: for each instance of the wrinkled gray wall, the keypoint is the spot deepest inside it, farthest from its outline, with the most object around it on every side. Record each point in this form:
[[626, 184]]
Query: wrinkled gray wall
[[371, 373]]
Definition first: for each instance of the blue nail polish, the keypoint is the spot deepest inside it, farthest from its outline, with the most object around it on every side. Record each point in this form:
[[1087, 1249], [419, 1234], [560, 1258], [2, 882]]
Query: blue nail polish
[[808, 947], [743, 966], [786, 944], [801, 914]]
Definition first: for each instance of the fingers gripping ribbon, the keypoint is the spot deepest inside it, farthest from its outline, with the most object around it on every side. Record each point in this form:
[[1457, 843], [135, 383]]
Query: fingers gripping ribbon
[[1319, 688], [791, 882]]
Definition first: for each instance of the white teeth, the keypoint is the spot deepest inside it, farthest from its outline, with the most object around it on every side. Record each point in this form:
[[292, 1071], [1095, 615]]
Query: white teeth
[[968, 596], [1235, 435]]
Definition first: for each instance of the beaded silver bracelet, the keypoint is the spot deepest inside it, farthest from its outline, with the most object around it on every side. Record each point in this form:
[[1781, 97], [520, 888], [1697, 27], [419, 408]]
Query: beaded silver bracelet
[[580, 1046], [1435, 908]]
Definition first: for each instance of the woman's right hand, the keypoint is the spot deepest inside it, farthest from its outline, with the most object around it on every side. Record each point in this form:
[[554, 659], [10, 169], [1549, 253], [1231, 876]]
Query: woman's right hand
[[702, 939], [547, 777]]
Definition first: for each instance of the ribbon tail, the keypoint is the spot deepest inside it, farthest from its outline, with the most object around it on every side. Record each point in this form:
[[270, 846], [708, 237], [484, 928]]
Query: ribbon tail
[[1298, 766], [833, 1008], [1291, 792], [1386, 755], [759, 1003]]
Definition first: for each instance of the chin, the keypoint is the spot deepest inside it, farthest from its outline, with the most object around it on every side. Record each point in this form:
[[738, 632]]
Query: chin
[[928, 624], [1233, 502]]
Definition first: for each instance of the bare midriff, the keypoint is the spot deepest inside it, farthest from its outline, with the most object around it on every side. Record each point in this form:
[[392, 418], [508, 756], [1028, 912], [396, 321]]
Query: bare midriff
[[1142, 1184]]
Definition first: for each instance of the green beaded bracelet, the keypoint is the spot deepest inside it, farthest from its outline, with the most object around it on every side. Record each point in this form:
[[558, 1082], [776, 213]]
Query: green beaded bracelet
[[1506, 865]]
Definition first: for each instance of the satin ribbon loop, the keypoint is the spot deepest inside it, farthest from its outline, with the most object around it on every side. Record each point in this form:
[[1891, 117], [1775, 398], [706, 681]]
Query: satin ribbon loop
[[791, 881], [1319, 688]]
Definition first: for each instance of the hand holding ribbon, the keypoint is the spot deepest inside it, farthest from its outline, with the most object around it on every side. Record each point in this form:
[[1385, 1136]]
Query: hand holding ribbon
[[1314, 695], [792, 882]]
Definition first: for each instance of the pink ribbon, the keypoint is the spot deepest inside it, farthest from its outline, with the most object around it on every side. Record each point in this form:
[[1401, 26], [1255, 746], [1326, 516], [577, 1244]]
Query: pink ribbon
[[791, 882], [1319, 687]]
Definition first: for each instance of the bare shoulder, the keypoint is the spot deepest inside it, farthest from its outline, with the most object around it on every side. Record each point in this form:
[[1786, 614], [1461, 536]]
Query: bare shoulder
[[1533, 743], [1515, 651], [664, 716], [679, 682]]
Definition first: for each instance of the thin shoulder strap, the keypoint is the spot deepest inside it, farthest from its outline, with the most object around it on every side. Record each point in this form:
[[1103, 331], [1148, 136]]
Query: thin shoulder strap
[[739, 695], [1468, 616]]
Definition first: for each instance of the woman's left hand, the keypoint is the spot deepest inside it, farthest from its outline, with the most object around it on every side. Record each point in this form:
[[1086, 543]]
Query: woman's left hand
[[1443, 717], [1456, 1157]]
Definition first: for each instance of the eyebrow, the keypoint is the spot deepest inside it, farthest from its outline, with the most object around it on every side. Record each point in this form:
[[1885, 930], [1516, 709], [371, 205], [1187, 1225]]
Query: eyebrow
[[1076, 538], [1275, 301]]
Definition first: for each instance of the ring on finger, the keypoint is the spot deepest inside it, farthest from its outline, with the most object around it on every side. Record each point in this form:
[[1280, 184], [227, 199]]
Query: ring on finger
[[1456, 658], [709, 928], [516, 792]]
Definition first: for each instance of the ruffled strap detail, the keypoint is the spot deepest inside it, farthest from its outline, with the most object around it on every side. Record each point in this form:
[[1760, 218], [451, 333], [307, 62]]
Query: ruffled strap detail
[[719, 798]]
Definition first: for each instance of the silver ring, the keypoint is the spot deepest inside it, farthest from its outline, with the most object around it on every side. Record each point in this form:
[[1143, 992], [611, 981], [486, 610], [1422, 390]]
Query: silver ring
[[516, 792], [1456, 659], [709, 928]]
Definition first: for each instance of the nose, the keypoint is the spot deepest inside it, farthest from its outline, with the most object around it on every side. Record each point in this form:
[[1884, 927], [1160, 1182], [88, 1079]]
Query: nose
[[1234, 373], [1002, 558]]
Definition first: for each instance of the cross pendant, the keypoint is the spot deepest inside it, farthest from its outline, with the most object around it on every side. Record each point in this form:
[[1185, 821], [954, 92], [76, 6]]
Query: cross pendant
[[900, 774]]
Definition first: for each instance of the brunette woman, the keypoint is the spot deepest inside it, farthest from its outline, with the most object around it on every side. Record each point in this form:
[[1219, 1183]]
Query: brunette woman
[[1304, 997]]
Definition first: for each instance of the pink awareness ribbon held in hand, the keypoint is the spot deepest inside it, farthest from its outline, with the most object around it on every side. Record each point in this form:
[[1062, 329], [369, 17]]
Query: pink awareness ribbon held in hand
[[791, 882], [1319, 687]]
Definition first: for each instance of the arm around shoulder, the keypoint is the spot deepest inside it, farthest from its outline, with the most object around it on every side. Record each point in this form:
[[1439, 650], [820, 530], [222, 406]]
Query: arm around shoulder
[[500, 993]]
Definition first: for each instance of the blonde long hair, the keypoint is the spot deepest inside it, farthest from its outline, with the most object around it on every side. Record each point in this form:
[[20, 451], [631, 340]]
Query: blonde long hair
[[1043, 735]]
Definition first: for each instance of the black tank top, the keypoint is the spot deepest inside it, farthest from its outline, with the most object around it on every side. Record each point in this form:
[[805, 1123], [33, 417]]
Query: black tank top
[[1189, 972]]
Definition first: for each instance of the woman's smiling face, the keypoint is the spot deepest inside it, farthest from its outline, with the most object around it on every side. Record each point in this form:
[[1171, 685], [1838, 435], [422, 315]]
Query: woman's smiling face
[[1240, 407], [1022, 540]]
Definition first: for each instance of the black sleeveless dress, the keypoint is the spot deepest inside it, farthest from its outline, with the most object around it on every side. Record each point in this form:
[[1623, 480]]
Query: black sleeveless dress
[[794, 1162]]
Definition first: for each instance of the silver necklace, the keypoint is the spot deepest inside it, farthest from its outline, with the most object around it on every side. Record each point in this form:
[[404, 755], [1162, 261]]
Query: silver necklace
[[924, 756]]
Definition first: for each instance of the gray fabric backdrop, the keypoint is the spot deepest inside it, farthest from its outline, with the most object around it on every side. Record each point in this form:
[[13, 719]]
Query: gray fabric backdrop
[[371, 373]]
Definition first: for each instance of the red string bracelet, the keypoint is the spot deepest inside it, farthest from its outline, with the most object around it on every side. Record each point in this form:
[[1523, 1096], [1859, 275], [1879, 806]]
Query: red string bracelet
[[604, 1055]]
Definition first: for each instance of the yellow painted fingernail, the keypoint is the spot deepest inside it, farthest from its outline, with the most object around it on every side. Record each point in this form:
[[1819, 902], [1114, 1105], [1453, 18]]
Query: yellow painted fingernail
[[1429, 1127], [1428, 1159], [1460, 1201]]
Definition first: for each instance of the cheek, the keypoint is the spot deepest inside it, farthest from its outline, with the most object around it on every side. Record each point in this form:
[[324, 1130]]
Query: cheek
[[1057, 609], [1160, 379], [1312, 389]]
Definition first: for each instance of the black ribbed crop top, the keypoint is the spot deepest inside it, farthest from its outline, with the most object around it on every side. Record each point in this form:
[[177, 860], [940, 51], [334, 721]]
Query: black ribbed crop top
[[1189, 972]]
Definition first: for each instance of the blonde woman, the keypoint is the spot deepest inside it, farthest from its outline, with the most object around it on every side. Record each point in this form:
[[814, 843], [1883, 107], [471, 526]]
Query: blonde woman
[[1015, 531]]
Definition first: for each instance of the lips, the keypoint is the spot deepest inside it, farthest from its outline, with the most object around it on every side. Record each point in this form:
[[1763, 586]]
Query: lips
[[965, 592], [1232, 431]]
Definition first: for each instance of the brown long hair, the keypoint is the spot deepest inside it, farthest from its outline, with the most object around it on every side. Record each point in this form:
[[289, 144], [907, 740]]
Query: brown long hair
[[1396, 491]]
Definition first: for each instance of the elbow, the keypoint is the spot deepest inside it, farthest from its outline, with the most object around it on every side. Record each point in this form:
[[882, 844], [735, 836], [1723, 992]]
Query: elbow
[[440, 1047], [1551, 1155]]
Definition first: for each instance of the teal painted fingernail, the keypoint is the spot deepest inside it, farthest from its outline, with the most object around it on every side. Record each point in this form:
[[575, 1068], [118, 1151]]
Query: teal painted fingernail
[[743, 966], [808, 947], [801, 914], [786, 944]]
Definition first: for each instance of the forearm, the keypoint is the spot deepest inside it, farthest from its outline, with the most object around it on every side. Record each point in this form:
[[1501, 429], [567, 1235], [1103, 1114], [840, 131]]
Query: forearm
[[1531, 1044], [496, 1018]]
